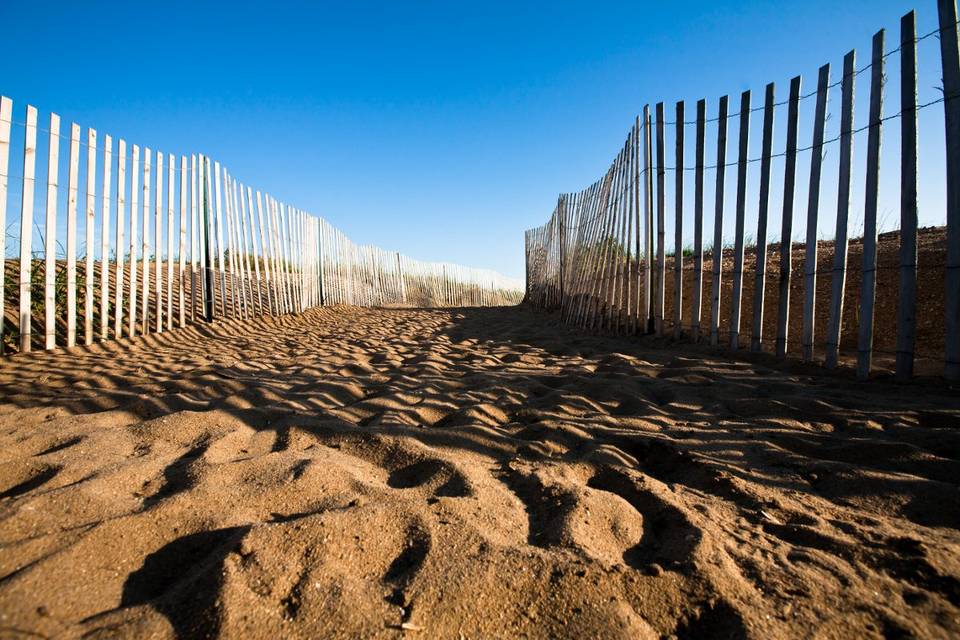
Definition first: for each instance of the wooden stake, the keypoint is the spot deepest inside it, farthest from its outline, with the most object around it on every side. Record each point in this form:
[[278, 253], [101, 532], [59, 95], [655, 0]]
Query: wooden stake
[[718, 222], [6, 117], [121, 213], [26, 225], [737, 295], [91, 193], [698, 224], [907, 304], [50, 234], [786, 233], [760, 269], [134, 223], [839, 276], [813, 208], [169, 254], [73, 188], [678, 229], [869, 286], [950, 56], [661, 231]]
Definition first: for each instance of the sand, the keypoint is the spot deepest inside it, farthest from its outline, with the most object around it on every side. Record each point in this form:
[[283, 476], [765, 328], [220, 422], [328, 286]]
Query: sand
[[474, 473]]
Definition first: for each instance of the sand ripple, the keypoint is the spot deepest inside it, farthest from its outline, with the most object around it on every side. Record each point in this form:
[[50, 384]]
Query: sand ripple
[[467, 473]]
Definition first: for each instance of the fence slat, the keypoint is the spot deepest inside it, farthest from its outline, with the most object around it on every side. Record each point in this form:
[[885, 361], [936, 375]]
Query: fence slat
[[134, 240], [91, 193], [760, 268], [218, 215], [169, 252], [737, 295], [678, 228], [194, 237], [121, 205], [26, 225], [813, 208], [50, 235], [648, 223], [869, 282], [181, 254], [786, 232], [718, 221], [145, 236], [661, 248], [838, 277], [105, 239], [950, 58], [696, 311], [907, 303], [158, 256], [6, 117], [73, 186]]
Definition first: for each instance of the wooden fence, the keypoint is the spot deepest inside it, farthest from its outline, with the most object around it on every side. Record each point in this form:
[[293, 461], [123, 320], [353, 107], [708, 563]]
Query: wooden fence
[[602, 259], [154, 241]]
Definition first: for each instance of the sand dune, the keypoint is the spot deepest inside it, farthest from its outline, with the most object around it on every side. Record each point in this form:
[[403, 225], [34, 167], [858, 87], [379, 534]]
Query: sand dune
[[467, 473]]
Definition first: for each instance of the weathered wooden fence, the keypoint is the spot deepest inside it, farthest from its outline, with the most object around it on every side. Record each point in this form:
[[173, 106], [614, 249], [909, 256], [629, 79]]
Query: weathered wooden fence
[[154, 241], [604, 261]]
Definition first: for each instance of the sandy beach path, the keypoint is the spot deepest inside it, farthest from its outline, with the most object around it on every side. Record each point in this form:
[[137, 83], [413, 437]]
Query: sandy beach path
[[472, 473]]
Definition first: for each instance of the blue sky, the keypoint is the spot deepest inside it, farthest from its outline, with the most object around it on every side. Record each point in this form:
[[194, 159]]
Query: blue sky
[[439, 129]]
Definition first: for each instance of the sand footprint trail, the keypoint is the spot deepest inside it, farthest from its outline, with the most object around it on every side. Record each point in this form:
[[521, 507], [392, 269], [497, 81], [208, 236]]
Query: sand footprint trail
[[467, 473]]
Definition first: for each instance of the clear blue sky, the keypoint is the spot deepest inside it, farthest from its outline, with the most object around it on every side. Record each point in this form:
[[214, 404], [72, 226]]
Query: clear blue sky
[[439, 129]]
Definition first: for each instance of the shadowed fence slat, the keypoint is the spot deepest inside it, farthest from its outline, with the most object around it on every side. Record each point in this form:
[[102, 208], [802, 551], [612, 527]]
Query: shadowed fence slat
[[760, 268], [696, 312], [741, 212], [813, 207], [718, 221], [661, 232], [786, 232], [906, 310], [950, 58], [678, 228], [648, 223], [869, 283], [838, 278]]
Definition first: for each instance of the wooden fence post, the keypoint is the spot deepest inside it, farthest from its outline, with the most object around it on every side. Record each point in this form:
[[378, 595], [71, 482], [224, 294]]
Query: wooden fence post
[[760, 268], [661, 249], [678, 229], [121, 222], [50, 235], [26, 225], [182, 246], [73, 188], [869, 282], [134, 224], [838, 278], [91, 195], [696, 311], [718, 222], [813, 207], [6, 118], [786, 233], [737, 295], [105, 240], [950, 56], [906, 309], [648, 222]]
